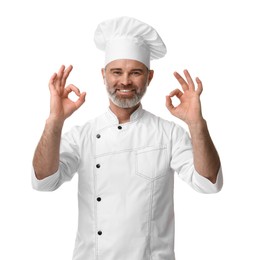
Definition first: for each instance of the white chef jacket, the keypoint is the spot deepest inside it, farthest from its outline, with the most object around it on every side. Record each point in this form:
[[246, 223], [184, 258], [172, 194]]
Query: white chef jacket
[[125, 185]]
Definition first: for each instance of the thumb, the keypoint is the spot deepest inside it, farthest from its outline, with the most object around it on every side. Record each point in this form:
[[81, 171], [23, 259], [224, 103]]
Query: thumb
[[169, 103], [81, 100]]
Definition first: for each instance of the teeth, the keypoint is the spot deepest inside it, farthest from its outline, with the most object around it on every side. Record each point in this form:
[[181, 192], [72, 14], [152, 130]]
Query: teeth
[[125, 90]]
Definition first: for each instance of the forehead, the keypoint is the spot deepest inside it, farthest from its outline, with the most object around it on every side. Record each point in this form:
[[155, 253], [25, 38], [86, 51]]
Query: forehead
[[126, 64]]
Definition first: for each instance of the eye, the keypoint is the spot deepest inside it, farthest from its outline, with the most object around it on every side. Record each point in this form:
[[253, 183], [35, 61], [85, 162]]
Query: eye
[[135, 73], [116, 72]]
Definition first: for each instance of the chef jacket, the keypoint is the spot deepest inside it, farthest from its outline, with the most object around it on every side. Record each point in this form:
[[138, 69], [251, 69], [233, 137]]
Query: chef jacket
[[125, 184]]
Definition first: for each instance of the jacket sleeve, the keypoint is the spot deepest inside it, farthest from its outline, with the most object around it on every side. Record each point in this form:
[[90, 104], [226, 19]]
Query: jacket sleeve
[[68, 165], [182, 162]]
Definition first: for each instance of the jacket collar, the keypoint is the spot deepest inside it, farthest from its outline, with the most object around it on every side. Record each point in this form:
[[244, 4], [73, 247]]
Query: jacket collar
[[136, 115]]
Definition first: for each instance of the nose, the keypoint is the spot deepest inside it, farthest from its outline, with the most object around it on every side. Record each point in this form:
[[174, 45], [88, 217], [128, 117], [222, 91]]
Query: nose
[[125, 79]]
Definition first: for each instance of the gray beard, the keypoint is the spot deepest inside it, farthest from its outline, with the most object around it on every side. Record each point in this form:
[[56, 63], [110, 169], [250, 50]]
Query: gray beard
[[126, 102]]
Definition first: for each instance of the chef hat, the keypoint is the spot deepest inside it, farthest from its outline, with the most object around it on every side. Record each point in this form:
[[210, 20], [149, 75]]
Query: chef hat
[[129, 38]]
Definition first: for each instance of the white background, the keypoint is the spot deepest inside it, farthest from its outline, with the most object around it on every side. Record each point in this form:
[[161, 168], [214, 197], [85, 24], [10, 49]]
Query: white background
[[213, 39]]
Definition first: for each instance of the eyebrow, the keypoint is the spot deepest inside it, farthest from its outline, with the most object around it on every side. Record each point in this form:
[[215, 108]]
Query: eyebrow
[[115, 69]]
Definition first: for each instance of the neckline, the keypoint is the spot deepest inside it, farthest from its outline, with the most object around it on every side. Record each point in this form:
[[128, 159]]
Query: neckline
[[137, 114]]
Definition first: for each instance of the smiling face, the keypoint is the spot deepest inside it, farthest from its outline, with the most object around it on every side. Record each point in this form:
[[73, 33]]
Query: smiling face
[[126, 82]]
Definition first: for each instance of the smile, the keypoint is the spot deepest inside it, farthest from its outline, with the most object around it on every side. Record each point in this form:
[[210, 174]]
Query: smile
[[125, 90]]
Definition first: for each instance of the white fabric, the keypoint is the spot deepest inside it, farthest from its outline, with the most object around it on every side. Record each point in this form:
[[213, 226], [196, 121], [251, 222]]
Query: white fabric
[[129, 38], [132, 171]]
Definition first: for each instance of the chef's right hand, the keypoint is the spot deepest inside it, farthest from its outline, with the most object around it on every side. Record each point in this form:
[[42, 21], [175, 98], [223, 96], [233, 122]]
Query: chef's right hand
[[61, 106]]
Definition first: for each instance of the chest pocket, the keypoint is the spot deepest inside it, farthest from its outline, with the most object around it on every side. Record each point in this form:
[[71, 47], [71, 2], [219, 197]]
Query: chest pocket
[[152, 162]]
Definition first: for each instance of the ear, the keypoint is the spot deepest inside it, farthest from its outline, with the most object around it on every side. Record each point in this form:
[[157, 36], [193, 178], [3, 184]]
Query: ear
[[150, 77], [103, 73]]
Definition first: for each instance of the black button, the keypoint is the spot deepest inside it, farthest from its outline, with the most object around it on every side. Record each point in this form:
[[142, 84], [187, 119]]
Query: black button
[[99, 233], [98, 136], [99, 199], [119, 127], [98, 165]]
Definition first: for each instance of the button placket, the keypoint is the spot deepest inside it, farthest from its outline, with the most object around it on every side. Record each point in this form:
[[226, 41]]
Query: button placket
[[99, 232], [98, 166], [98, 198]]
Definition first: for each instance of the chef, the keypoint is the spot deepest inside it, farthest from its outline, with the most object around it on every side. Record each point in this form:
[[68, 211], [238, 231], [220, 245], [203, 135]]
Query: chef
[[126, 158]]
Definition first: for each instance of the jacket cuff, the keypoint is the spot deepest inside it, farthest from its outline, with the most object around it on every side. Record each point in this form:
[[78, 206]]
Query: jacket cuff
[[49, 183], [204, 185]]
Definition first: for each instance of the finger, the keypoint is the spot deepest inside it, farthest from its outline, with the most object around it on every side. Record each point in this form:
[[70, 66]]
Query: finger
[[189, 80], [177, 92], [181, 80], [81, 100], [71, 88], [169, 103], [61, 72], [52, 81], [59, 77], [200, 86], [66, 75]]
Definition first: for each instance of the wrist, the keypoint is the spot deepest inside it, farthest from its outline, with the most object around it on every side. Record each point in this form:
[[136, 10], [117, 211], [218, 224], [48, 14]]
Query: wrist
[[55, 122], [201, 122], [198, 128]]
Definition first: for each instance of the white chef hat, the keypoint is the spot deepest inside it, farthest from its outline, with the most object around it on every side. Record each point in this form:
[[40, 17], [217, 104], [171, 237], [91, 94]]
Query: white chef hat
[[129, 38]]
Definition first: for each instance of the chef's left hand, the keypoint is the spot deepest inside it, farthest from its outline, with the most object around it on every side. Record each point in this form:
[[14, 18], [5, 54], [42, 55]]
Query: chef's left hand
[[189, 109]]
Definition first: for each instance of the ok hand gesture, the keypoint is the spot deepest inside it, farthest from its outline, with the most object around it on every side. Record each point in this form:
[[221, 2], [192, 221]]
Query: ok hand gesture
[[61, 107], [189, 109]]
